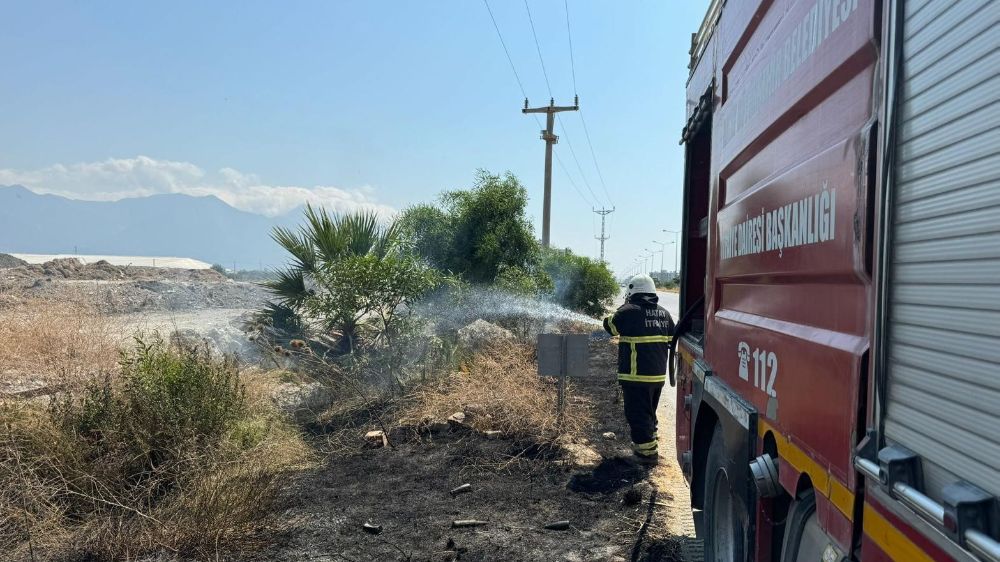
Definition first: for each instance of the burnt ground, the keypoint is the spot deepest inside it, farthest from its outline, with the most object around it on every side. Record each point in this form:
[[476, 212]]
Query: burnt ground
[[615, 514]]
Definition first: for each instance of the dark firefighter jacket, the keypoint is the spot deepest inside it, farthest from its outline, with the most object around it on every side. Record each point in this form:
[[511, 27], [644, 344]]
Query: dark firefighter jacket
[[644, 331]]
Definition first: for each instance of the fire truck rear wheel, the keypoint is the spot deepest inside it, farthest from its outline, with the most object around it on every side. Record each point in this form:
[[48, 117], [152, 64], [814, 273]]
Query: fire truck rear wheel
[[725, 515]]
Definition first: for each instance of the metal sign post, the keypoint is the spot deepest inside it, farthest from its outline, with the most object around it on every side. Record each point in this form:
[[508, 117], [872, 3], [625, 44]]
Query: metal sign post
[[561, 356]]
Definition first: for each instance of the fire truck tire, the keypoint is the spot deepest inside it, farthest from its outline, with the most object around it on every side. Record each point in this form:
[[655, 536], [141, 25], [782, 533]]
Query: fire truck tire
[[804, 539], [725, 516]]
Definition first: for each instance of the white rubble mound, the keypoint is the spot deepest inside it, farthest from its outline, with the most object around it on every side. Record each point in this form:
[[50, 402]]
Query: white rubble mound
[[481, 332]]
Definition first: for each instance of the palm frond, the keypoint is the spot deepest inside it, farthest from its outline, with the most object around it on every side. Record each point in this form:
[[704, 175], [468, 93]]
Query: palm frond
[[289, 286], [298, 245]]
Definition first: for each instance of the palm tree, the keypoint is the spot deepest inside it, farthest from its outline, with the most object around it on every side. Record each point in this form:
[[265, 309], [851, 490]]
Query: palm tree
[[324, 239]]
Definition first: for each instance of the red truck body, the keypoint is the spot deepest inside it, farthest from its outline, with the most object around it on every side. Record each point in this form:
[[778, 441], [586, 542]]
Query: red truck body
[[789, 111]]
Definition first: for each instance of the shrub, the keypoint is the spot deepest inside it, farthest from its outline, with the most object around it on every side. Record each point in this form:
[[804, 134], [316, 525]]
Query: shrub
[[170, 401], [170, 454], [368, 288], [581, 284], [348, 274]]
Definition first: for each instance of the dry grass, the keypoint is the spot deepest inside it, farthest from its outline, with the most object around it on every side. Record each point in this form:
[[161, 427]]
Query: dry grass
[[71, 493], [61, 344], [499, 390]]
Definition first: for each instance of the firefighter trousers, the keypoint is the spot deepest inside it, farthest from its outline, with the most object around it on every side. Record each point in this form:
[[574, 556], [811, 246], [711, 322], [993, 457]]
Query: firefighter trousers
[[640, 400]]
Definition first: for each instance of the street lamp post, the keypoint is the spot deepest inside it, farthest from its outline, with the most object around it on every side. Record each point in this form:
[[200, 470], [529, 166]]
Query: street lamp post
[[677, 244], [653, 264], [663, 246]]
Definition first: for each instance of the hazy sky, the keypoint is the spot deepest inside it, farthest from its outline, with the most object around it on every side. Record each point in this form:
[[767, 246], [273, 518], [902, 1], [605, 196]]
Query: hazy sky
[[374, 104]]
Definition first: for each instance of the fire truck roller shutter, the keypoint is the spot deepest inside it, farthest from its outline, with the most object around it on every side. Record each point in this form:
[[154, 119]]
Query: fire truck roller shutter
[[943, 333]]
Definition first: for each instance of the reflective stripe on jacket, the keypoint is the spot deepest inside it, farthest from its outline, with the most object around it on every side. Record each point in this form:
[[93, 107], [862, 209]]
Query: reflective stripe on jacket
[[644, 331]]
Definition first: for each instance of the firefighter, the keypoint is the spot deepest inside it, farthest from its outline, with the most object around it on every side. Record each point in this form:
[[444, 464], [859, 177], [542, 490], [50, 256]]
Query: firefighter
[[644, 331]]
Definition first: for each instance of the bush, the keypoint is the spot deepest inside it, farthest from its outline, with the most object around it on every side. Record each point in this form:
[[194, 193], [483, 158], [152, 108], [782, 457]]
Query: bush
[[520, 281], [170, 454], [170, 401], [348, 274], [368, 289], [581, 284]]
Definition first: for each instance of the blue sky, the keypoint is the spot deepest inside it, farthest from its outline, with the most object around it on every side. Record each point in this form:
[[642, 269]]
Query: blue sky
[[379, 103]]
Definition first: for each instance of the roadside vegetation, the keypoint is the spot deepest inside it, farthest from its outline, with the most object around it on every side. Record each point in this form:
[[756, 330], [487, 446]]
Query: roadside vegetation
[[147, 444]]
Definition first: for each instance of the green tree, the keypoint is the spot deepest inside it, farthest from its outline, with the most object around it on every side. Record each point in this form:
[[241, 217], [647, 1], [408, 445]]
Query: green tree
[[475, 233]]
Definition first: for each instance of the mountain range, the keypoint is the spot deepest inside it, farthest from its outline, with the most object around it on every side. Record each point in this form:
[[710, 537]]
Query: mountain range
[[205, 228]]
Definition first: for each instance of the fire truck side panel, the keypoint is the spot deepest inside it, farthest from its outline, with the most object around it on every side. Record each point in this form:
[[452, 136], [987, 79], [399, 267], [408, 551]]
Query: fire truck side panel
[[788, 278], [787, 320]]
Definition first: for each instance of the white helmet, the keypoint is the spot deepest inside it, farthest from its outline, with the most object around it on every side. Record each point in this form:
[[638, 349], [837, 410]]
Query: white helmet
[[641, 284]]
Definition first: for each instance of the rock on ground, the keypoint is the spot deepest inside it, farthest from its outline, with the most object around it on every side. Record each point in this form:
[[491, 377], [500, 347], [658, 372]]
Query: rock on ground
[[481, 332], [302, 401]]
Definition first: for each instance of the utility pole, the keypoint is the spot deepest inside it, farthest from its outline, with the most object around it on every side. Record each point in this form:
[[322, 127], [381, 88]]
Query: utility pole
[[550, 139], [604, 213]]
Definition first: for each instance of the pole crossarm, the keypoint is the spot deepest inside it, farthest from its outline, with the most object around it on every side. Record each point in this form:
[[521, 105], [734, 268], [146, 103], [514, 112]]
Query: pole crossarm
[[551, 109]]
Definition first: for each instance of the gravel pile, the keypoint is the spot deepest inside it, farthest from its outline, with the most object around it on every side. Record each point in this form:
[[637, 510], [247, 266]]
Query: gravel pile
[[124, 297], [73, 269], [125, 290], [7, 260]]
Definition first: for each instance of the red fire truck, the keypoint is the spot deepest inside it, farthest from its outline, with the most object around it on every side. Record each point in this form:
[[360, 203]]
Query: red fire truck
[[838, 361]]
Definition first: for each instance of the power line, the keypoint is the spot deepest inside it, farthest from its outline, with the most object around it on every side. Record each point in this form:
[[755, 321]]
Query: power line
[[569, 34], [593, 155], [578, 166], [504, 45], [538, 48], [570, 178], [520, 85], [572, 64]]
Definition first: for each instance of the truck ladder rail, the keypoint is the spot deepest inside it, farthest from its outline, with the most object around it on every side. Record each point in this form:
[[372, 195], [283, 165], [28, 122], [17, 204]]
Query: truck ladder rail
[[979, 543]]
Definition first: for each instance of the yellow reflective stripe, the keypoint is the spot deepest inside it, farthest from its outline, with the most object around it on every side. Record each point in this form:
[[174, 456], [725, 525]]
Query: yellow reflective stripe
[[611, 324], [890, 539], [823, 482], [641, 378], [635, 366], [645, 446], [645, 339]]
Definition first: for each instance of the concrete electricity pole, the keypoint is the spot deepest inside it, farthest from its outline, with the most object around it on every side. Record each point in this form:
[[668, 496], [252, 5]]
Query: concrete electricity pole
[[550, 139], [604, 213]]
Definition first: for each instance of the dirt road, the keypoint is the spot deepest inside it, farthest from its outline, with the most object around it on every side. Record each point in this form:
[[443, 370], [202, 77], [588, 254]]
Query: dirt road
[[668, 476], [669, 480]]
